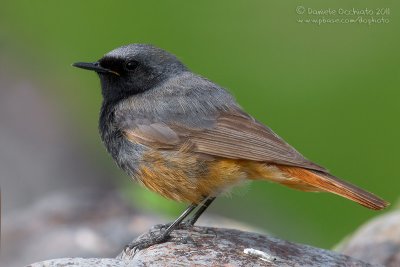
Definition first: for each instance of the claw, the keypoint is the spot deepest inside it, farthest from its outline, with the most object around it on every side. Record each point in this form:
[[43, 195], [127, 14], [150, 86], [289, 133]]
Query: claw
[[161, 227], [164, 235], [148, 242], [185, 225]]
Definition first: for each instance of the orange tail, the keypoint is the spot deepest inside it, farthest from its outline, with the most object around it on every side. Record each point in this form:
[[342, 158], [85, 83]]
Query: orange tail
[[330, 183]]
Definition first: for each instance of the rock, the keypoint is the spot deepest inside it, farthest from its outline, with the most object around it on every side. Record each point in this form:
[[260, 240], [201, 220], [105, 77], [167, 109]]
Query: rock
[[81, 262], [203, 246], [377, 241]]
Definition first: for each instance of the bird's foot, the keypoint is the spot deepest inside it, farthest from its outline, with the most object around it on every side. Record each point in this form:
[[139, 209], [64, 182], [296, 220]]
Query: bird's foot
[[182, 226], [149, 241], [161, 227], [162, 236]]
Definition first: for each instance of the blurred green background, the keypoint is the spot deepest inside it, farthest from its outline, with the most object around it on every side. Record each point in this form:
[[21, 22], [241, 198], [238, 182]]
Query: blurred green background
[[330, 90]]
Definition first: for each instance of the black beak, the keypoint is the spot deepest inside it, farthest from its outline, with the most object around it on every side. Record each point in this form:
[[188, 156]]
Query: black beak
[[95, 66]]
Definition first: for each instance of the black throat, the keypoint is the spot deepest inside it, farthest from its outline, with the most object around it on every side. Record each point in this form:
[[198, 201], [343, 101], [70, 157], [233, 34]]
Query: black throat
[[110, 134]]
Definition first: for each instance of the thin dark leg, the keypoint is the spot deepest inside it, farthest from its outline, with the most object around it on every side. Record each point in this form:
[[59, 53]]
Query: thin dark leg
[[162, 237], [200, 211], [180, 219]]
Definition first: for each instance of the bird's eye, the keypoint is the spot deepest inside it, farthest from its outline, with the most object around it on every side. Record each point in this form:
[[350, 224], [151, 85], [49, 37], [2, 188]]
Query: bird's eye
[[131, 65]]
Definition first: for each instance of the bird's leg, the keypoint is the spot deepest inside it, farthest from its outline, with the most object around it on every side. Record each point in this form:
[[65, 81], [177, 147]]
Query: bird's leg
[[163, 236], [199, 212]]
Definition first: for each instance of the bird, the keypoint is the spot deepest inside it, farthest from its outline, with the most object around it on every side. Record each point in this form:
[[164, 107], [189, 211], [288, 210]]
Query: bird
[[187, 139]]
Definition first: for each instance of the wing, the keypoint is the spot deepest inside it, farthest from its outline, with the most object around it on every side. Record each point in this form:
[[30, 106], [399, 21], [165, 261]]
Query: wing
[[234, 134]]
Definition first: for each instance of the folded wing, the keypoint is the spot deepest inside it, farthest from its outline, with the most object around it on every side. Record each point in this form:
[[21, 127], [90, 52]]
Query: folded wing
[[234, 135]]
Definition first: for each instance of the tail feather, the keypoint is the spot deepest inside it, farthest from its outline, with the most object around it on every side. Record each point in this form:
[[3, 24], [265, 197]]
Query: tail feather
[[329, 183]]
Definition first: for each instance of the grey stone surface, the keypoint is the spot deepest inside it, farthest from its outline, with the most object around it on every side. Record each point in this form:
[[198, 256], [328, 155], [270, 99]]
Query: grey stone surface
[[81, 262], [377, 241], [201, 246]]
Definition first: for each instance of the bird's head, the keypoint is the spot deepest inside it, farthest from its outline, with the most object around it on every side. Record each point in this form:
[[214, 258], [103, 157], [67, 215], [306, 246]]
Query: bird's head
[[133, 69]]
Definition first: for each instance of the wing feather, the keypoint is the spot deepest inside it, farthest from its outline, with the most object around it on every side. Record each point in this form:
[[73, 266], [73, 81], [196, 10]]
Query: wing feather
[[234, 135]]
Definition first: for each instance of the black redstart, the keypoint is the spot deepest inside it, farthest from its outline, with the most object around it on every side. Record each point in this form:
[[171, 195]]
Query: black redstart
[[186, 138]]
